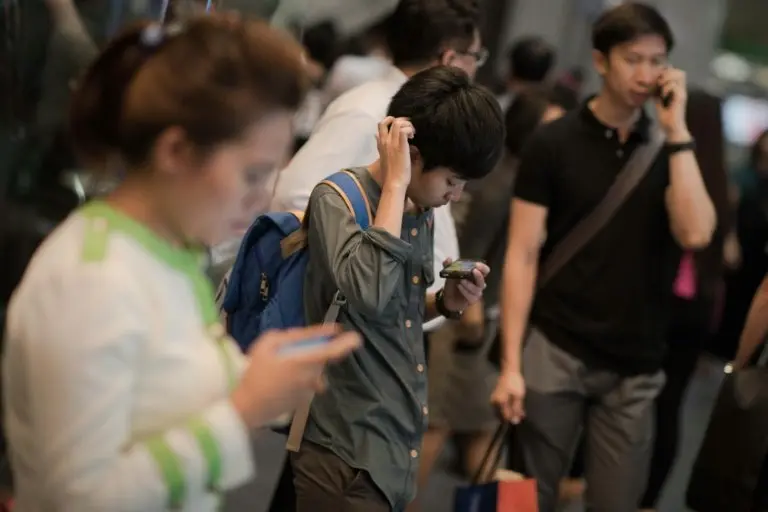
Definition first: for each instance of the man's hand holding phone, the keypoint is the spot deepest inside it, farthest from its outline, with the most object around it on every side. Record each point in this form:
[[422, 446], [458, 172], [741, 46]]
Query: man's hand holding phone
[[671, 98], [285, 368], [465, 282]]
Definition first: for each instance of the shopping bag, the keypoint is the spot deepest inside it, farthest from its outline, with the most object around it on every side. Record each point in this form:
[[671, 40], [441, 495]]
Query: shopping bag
[[730, 472], [508, 492]]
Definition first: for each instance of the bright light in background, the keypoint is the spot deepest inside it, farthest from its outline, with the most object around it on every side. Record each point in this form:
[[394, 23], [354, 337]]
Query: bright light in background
[[731, 67], [744, 118]]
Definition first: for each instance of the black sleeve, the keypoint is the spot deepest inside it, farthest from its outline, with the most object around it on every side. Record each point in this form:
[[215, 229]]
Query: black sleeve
[[536, 175]]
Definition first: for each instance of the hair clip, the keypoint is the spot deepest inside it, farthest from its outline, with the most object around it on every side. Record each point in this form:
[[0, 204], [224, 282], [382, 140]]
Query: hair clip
[[152, 36], [155, 34]]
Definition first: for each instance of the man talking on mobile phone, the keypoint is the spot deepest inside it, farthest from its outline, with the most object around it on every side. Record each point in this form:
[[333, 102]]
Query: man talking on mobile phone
[[614, 196]]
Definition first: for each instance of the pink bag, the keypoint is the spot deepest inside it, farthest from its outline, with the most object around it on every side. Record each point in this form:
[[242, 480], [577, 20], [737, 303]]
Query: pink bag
[[685, 282]]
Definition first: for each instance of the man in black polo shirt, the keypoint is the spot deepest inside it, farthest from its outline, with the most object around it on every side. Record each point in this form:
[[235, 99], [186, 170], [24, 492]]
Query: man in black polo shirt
[[593, 355]]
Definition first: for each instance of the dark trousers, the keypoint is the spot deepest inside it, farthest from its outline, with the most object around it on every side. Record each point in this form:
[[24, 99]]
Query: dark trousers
[[679, 367], [325, 483], [284, 498]]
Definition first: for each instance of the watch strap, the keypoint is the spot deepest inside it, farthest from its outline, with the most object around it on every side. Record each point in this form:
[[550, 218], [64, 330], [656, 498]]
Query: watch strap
[[675, 147], [440, 306]]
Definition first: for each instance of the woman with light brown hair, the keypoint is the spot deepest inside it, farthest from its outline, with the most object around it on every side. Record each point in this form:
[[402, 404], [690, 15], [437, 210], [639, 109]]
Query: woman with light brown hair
[[122, 390]]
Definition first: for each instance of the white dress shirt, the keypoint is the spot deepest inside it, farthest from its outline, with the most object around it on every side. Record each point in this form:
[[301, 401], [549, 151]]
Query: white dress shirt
[[345, 136], [117, 376]]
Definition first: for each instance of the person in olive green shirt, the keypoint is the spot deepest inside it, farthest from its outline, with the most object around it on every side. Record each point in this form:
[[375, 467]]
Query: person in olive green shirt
[[361, 446]]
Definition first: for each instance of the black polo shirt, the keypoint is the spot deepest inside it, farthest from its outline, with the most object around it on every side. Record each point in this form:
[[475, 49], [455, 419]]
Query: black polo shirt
[[608, 305]]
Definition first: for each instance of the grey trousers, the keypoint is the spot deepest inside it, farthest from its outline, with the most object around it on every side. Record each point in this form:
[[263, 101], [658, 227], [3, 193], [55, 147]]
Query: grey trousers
[[563, 398]]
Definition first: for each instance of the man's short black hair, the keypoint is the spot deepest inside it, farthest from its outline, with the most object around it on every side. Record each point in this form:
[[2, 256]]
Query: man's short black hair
[[531, 59], [419, 30], [458, 125], [627, 22]]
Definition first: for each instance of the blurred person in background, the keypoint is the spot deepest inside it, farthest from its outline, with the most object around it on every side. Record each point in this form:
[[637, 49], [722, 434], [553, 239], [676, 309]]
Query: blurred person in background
[[321, 42], [362, 58], [697, 295], [530, 61], [751, 239], [121, 389], [595, 340], [461, 376]]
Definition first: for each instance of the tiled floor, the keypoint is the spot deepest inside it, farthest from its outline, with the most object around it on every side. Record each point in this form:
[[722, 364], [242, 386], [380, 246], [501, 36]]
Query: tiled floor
[[269, 450]]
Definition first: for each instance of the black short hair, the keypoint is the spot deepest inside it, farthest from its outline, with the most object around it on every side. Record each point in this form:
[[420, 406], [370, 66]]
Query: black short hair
[[531, 59], [459, 125], [627, 22], [419, 30], [524, 115]]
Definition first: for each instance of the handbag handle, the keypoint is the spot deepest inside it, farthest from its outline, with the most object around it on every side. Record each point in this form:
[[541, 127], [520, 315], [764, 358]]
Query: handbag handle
[[493, 452]]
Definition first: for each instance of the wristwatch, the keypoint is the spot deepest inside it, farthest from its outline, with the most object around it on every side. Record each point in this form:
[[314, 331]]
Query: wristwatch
[[675, 147], [444, 311]]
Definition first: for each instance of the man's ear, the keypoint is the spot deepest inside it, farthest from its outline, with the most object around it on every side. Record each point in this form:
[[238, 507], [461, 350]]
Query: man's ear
[[600, 61], [447, 57], [415, 155], [417, 164]]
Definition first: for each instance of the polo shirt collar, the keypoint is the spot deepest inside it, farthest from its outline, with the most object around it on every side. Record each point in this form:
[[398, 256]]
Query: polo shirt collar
[[642, 128]]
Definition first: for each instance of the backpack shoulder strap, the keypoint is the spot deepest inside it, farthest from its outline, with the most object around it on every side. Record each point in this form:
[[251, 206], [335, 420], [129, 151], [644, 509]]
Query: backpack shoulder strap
[[348, 186]]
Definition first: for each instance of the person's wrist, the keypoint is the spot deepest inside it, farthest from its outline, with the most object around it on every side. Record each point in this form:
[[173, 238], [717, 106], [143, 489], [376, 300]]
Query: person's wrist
[[510, 366], [395, 186], [678, 135], [445, 308], [240, 405]]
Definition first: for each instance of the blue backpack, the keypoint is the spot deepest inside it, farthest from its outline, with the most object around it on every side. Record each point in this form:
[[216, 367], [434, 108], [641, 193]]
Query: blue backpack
[[264, 290]]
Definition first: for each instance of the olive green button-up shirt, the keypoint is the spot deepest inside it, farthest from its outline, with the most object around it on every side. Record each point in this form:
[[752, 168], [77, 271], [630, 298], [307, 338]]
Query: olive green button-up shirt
[[374, 413]]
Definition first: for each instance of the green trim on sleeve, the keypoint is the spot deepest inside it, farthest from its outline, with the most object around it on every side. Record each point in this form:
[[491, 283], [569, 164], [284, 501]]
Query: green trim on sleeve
[[210, 450], [95, 240], [171, 470], [188, 261]]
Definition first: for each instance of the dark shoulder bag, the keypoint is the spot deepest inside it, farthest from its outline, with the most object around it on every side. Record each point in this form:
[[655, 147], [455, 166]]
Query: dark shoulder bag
[[731, 468], [626, 182]]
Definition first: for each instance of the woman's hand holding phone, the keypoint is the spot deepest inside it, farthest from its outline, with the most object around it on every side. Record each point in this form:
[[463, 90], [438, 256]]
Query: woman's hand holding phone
[[284, 369]]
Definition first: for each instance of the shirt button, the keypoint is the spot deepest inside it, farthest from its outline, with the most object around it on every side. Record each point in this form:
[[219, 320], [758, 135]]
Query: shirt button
[[415, 279], [420, 368], [408, 324], [414, 232], [425, 410], [608, 134], [414, 454]]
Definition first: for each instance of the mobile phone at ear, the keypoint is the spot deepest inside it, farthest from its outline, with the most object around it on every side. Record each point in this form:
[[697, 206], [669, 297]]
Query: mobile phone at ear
[[459, 269], [666, 99]]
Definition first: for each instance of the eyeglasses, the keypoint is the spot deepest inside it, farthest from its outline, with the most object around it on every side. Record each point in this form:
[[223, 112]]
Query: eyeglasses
[[480, 56]]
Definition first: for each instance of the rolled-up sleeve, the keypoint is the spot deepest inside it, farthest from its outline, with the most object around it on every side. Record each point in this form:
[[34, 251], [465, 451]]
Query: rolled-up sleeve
[[75, 348], [367, 265]]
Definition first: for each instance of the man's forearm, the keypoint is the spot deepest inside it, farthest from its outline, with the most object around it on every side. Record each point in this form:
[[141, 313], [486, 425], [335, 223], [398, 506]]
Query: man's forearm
[[691, 211], [516, 298], [755, 328], [389, 214]]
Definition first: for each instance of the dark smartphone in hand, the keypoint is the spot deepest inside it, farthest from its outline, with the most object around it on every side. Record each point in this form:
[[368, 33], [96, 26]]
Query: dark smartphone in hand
[[460, 269], [666, 99]]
